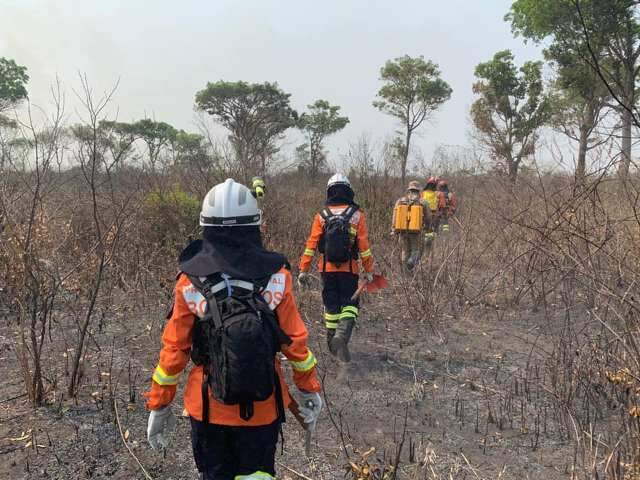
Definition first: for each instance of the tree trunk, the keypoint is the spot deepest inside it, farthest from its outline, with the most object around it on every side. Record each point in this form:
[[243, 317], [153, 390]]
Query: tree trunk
[[405, 157], [629, 100], [313, 158], [512, 166], [263, 165], [625, 161], [581, 165]]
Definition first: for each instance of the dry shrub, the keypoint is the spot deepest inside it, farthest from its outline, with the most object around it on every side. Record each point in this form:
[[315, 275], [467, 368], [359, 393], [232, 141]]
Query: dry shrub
[[561, 256]]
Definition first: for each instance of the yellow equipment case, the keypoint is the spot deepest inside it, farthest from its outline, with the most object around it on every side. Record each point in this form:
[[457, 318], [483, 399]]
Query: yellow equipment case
[[408, 217]]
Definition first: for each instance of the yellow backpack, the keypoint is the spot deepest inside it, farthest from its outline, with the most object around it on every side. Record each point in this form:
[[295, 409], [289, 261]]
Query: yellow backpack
[[408, 217], [431, 198]]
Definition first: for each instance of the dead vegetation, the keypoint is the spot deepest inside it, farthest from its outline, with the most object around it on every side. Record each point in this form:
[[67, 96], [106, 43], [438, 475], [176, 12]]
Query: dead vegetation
[[512, 352]]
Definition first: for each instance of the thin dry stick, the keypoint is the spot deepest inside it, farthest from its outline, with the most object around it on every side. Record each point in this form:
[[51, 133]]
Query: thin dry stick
[[115, 408], [293, 471], [471, 467]]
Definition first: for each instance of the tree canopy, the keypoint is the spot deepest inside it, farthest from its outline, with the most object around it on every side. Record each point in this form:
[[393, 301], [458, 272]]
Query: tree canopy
[[511, 108], [411, 92], [256, 115], [13, 80], [321, 120], [600, 41]]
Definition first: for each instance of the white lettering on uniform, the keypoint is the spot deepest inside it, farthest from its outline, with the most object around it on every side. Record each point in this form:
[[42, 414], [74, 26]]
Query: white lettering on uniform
[[272, 294], [195, 300]]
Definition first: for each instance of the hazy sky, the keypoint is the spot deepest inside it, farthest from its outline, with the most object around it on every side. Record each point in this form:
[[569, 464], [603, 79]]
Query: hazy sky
[[164, 51]]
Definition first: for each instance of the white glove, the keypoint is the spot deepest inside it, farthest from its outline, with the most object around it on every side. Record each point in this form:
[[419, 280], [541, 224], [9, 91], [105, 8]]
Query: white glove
[[310, 407], [304, 279], [160, 426], [368, 277]]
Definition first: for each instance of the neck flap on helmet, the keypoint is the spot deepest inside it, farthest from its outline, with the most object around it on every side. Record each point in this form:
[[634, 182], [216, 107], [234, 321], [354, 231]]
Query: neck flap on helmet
[[235, 251]]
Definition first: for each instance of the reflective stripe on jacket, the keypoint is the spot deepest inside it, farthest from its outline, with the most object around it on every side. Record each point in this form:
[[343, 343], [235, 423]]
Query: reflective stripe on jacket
[[176, 350], [358, 229]]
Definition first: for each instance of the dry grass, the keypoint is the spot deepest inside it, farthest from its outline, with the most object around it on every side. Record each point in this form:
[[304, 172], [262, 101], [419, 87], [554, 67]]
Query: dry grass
[[563, 259]]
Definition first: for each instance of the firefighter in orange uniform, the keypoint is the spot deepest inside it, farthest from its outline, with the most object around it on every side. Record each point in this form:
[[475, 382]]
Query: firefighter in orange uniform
[[340, 234], [449, 203], [226, 279]]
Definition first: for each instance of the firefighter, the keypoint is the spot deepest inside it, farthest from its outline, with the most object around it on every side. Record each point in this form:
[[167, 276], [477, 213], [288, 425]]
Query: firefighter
[[228, 268], [258, 189], [411, 217], [339, 233], [430, 196], [449, 204]]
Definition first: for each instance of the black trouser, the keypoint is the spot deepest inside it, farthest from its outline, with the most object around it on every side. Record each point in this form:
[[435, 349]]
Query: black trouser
[[222, 452], [337, 290]]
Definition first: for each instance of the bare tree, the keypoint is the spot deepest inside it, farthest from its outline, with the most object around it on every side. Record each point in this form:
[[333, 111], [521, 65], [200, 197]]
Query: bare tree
[[107, 212], [33, 278]]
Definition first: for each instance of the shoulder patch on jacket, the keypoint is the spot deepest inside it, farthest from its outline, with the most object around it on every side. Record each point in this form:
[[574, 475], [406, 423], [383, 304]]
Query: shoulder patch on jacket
[[194, 300], [273, 293]]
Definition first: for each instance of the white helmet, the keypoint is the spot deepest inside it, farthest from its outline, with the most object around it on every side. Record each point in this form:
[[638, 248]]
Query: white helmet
[[338, 179], [229, 204]]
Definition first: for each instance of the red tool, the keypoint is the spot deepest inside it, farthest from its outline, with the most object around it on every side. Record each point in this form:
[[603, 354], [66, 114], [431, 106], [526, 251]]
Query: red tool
[[378, 283]]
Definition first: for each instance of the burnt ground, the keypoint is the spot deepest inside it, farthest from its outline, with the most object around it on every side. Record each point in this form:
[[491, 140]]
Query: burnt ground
[[458, 398]]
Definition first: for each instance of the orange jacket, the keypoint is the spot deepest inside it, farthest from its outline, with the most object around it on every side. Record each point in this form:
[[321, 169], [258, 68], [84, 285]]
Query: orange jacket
[[358, 231], [176, 350], [442, 200]]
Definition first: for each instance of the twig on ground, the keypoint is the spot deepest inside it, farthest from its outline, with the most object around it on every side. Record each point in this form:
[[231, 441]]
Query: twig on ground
[[144, 471], [301, 475], [469, 465]]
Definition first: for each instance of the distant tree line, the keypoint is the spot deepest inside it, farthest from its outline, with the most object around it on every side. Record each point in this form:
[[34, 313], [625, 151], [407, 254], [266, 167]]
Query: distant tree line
[[592, 47]]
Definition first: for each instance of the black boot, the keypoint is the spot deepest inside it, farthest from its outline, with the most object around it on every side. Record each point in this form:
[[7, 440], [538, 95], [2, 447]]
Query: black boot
[[340, 342], [331, 332]]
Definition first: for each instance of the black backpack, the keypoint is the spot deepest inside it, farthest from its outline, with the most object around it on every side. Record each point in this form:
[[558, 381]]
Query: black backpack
[[236, 341], [336, 243]]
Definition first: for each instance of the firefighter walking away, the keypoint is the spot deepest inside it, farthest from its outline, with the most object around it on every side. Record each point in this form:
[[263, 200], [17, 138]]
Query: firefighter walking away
[[411, 217], [233, 313], [339, 233], [450, 204]]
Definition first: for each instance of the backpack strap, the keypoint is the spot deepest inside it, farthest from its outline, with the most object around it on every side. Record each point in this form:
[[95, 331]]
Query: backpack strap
[[326, 214], [208, 290], [349, 212], [226, 283]]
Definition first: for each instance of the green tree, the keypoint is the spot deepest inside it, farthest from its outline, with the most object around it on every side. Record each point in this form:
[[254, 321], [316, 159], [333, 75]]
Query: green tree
[[603, 35], [511, 109], [156, 136], [13, 80], [190, 149], [256, 115], [320, 121], [412, 92], [579, 102], [119, 138]]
